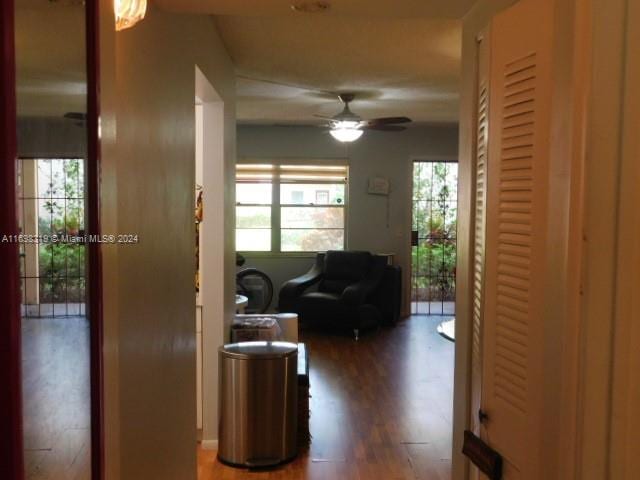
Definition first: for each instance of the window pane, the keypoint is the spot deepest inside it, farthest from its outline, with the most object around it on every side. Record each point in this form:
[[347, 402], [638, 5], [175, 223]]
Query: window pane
[[259, 193], [253, 217], [312, 194], [312, 240], [253, 240], [312, 217]]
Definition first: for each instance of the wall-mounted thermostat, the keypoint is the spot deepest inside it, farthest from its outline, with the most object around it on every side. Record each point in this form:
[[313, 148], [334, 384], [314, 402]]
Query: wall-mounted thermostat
[[378, 186]]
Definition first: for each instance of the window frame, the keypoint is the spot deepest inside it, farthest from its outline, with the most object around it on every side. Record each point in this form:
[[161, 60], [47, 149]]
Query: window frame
[[276, 205], [259, 205]]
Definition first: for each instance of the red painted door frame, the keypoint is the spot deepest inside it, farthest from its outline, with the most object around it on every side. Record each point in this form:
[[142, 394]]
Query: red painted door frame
[[11, 452], [11, 435], [94, 294]]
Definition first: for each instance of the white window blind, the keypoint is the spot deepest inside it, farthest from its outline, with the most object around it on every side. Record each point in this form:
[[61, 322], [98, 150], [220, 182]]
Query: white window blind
[[290, 208]]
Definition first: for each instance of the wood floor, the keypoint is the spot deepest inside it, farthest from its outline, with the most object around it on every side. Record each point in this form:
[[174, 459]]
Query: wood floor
[[381, 409], [56, 398]]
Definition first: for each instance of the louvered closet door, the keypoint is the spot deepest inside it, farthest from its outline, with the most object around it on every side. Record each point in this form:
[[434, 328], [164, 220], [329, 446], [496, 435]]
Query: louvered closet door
[[519, 121], [480, 198], [481, 154]]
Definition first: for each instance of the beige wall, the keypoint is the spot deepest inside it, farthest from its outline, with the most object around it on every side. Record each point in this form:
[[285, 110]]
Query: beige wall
[[625, 461], [148, 189]]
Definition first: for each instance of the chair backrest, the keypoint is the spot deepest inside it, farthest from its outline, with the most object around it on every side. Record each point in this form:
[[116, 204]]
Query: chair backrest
[[342, 269]]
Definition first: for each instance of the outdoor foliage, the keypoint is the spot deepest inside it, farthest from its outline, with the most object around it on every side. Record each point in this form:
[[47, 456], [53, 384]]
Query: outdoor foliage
[[61, 212], [434, 217], [329, 234]]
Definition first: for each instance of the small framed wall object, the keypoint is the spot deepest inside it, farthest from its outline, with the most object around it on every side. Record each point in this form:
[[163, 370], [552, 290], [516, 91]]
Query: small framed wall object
[[378, 186]]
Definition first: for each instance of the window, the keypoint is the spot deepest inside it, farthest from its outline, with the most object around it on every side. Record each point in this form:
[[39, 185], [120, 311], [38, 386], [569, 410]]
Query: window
[[290, 208]]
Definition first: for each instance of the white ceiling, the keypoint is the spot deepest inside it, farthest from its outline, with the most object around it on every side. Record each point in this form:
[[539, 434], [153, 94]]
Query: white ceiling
[[399, 57], [50, 57], [360, 8]]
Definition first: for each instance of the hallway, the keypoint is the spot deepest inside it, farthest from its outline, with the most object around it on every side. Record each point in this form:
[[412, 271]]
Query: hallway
[[56, 416], [380, 409]]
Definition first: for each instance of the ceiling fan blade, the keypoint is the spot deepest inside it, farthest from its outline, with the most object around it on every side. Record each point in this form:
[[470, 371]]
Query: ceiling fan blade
[[385, 128], [324, 117], [388, 120], [75, 115]]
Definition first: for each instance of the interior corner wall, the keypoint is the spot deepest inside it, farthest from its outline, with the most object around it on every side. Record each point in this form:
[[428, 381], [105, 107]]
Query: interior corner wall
[[377, 154], [148, 179]]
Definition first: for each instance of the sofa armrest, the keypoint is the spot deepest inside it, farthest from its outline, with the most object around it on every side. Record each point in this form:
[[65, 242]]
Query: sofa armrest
[[358, 293], [388, 295], [292, 289]]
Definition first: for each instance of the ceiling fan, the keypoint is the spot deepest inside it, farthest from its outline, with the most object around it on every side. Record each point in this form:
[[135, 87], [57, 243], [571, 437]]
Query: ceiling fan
[[346, 126]]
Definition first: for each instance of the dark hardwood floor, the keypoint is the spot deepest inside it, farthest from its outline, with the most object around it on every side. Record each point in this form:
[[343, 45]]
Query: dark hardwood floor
[[381, 409], [56, 398]]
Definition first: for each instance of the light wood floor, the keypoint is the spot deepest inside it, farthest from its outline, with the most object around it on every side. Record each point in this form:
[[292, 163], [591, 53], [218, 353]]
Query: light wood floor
[[381, 409], [56, 398]]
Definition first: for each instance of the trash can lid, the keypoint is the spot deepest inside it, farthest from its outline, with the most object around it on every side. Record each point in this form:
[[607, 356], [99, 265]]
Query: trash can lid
[[262, 350]]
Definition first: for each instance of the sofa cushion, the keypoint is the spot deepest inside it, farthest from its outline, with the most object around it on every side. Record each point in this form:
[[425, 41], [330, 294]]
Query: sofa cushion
[[342, 269], [318, 305]]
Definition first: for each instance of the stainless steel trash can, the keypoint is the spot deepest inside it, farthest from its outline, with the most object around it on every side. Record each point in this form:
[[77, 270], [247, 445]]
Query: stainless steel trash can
[[258, 403]]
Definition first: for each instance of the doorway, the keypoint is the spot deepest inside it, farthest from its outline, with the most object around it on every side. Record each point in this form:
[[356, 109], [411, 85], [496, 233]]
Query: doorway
[[433, 237], [213, 253], [55, 327], [51, 303]]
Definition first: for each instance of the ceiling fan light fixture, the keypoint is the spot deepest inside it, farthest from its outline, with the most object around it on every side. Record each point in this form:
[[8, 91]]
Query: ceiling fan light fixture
[[346, 133], [346, 124], [129, 12]]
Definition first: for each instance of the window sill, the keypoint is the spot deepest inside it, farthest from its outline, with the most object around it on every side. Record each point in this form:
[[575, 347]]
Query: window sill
[[278, 254]]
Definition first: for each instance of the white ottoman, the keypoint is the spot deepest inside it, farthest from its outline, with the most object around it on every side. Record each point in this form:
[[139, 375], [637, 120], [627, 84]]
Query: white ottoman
[[289, 325]]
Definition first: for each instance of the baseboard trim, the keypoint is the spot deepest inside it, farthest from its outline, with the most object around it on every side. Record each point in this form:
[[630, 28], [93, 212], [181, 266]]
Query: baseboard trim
[[209, 444]]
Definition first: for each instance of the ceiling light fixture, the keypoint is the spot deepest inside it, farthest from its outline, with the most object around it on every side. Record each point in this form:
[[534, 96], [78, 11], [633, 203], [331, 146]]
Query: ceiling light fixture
[[346, 131], [311, 7], [129, 12]]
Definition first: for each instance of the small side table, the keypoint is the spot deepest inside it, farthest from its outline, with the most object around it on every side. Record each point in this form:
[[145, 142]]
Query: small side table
[[304, 435]]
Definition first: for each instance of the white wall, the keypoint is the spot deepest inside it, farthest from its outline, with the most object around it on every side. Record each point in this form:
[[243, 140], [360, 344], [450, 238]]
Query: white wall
[[148, 173], [382, 154]]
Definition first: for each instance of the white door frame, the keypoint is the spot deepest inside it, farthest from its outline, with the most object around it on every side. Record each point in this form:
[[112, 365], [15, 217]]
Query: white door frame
[[212, 252], [606, 311], [624, 462]]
